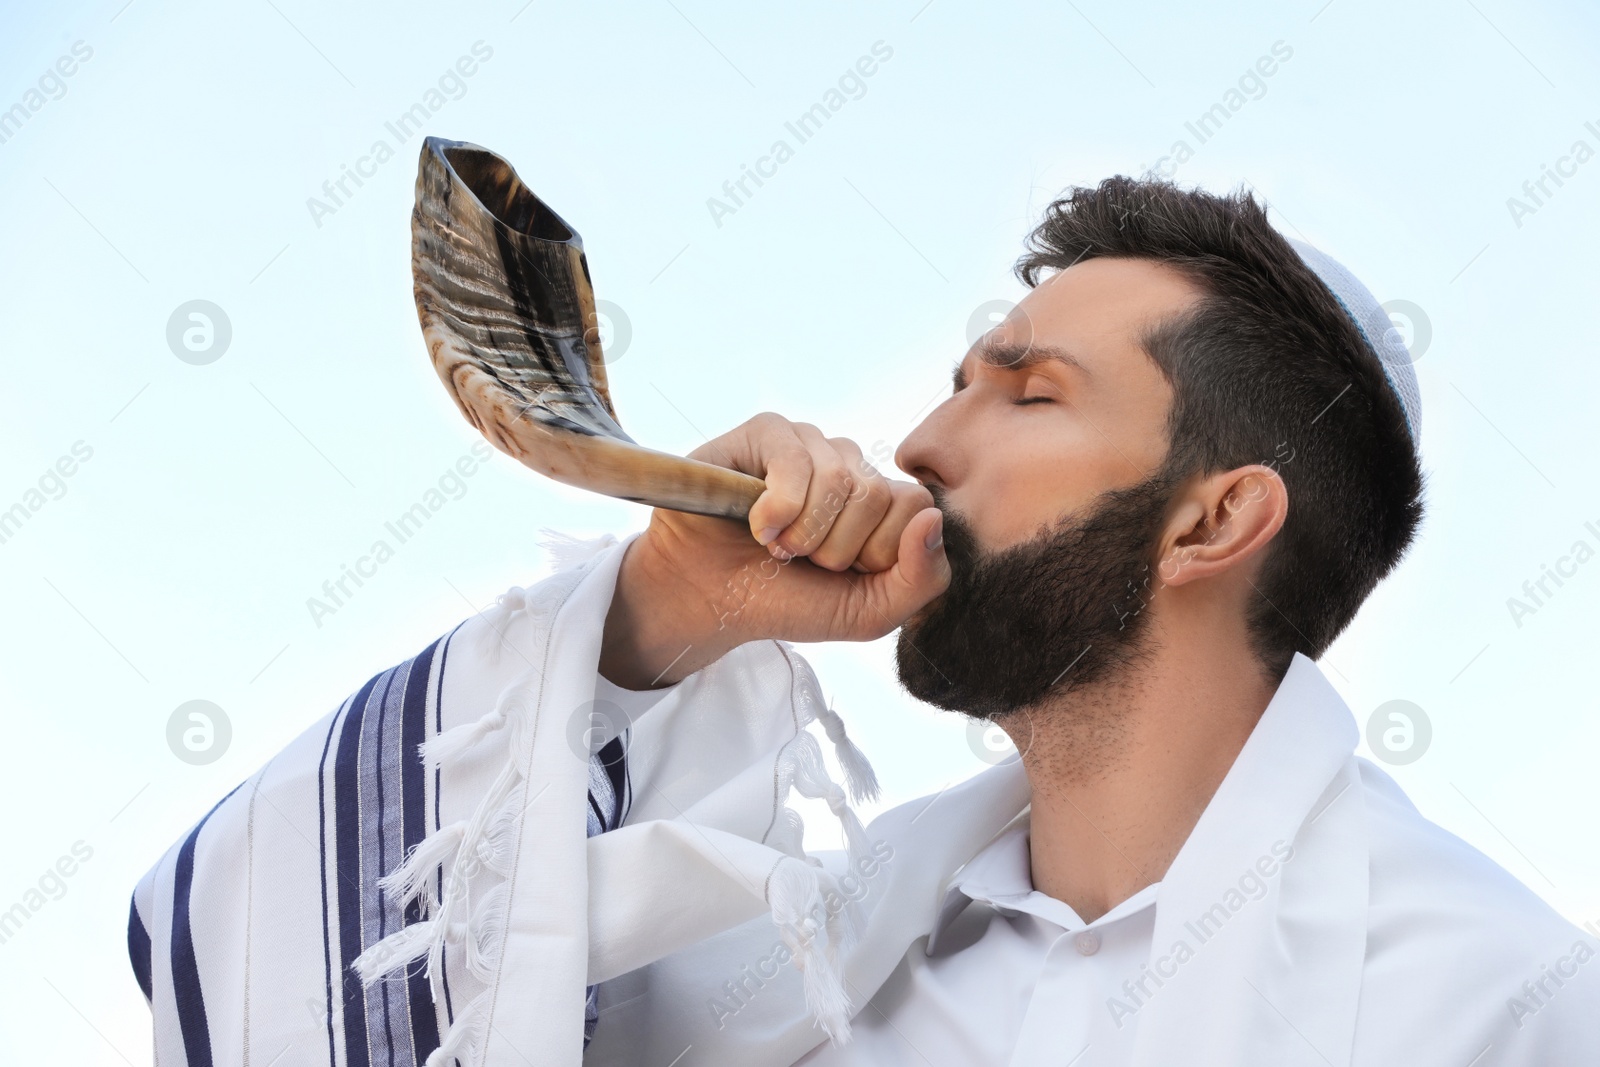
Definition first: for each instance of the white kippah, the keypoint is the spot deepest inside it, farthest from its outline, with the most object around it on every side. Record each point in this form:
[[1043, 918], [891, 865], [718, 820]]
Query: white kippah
[[1376, 326]]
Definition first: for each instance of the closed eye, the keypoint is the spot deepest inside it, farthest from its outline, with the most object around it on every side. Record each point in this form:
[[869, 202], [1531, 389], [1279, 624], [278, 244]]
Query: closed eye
[[958, 381], [1035, 400]]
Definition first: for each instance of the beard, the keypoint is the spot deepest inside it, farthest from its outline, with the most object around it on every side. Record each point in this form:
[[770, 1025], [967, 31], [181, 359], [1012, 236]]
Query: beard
[[1057, 613]]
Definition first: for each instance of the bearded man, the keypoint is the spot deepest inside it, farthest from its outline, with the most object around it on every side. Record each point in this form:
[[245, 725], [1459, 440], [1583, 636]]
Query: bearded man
[[1157, 493]]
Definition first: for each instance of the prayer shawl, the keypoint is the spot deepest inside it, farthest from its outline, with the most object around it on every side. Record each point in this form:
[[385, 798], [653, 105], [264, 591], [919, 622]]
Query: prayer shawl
[[445, 868]]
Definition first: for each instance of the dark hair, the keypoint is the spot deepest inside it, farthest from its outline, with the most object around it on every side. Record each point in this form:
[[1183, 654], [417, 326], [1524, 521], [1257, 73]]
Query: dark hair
[[1268, 368]]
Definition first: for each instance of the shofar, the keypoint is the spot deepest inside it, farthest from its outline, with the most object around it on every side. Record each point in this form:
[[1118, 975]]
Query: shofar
[[507, 311]]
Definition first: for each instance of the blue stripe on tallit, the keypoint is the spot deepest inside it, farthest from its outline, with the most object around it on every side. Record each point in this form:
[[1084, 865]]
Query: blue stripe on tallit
[[139, 948], [347, 816], [186, 991], [380, 815], [413, 789], [380, 840], [372, 808]]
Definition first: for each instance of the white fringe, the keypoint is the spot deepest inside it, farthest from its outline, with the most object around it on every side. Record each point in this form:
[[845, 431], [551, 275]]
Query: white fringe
[[506, 606], [454, 743], [465, 1036], [486, 933], [394, 951], [859, 777], [802, 770], [567, 551], [804, 898], [417, 876], [500, 836], [795, 892]]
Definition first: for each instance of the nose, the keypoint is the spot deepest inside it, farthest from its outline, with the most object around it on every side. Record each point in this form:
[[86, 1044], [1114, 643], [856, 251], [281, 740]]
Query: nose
[[928, 453]]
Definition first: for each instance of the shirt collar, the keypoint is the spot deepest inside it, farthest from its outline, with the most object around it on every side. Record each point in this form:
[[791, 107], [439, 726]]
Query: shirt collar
[[1001, 875], [1302, 738]]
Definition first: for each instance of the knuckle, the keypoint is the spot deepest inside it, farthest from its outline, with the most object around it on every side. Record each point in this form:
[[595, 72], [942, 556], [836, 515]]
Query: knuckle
[[845, 447], [769, 426], [878, 557], [792, 453], [876, 495], [835, 487], [830, 559], [810, 528]]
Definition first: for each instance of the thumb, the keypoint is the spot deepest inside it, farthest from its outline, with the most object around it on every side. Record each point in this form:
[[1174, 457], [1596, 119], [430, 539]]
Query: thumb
[[918, 575]]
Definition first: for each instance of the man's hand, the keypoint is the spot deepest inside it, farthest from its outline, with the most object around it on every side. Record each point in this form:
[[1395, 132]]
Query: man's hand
[[834, 551]]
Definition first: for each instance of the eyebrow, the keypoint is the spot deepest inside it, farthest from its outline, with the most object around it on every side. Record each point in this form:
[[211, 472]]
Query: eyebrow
[[1017, 357]]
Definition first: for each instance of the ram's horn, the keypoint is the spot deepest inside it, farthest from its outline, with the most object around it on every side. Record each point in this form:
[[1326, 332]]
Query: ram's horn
[[508, 315]]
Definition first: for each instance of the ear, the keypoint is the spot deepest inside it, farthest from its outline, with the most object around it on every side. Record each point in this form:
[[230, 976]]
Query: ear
[[1221, 521]]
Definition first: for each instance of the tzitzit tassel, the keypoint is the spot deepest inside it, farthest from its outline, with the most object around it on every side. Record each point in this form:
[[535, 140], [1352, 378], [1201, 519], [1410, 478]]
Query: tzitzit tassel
[[417, 876], [811, 780], [566, 551], [794, 892], [506, 606], [395, 951], [453, 743], [859, 777], [512, 703]]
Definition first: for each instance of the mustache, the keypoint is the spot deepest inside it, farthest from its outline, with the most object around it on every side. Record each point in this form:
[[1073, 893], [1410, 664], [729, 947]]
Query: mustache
[[1014, 620]]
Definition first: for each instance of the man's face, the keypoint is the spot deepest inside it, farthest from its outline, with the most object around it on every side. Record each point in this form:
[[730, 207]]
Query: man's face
[[1046, 461]]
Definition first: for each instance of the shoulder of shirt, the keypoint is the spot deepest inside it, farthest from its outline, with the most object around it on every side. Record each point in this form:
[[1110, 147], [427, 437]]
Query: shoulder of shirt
[[1433, 897]]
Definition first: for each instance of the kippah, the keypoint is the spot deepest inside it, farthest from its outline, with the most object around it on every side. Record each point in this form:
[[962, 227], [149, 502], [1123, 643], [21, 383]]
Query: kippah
[[1376, 327]]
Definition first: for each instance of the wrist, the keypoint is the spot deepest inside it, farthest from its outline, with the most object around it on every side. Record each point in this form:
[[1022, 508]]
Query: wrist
[[660, 627]]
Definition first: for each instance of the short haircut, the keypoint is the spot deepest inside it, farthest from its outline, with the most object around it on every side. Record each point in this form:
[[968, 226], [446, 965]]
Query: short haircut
[[1267, 368]]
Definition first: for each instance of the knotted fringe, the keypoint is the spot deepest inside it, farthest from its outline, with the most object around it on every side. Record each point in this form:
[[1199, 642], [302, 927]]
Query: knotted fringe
[[509, 708], [418, 875], [506, 605], [484, 842], [859, 777], [815, 936], [800, 766], [801, 769], [858, 773], [565, 552], [463, 850], [814, 918], [394, 951]]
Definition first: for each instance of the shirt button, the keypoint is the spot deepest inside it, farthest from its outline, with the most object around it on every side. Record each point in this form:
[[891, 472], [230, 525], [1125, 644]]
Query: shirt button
[[1087, 942]]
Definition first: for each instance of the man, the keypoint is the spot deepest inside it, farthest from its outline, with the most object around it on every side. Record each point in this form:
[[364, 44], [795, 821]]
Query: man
[[1158, 492]]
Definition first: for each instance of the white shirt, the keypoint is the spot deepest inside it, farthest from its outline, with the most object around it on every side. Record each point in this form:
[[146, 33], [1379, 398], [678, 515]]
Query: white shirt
[[1014, 975], [1009, 975], [1017, 977], [1313, 916]]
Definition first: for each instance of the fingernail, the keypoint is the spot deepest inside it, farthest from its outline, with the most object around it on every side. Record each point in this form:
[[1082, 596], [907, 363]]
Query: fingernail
[[935, 536], [769, 533]]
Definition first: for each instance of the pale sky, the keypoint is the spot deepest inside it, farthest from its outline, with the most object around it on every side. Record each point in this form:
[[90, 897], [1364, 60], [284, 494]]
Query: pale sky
[[207, 501]]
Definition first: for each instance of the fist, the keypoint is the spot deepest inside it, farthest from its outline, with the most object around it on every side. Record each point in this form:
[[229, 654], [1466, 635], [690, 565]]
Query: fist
[[832, 550]]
